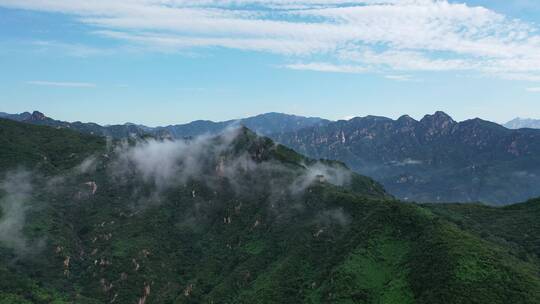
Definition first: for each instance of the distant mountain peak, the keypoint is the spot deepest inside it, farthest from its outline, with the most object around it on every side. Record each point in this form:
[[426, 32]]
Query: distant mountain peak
[[371, 118], [519, 123], [406, 119], [439, 120], [439, 115], [275, 114], [37, 116]]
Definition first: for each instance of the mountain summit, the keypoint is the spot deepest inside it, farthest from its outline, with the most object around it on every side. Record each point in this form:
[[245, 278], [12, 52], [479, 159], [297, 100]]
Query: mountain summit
[[36, 116], [439, 120]]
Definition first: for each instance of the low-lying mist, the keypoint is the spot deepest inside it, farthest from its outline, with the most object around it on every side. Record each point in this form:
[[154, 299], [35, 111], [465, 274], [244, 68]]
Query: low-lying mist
[[14, 203], [167, 163], [236, 162]]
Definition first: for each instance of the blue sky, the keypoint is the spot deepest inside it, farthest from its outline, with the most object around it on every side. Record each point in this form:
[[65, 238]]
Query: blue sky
[[162, 62]]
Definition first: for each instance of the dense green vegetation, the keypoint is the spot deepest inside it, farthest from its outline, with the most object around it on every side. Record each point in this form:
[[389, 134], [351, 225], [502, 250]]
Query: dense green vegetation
[[30, 146], [515, 227], [248, 236]]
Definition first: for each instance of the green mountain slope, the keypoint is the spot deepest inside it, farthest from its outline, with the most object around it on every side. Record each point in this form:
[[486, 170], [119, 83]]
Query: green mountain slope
[[29, 145], [227, 219], [516, 226]]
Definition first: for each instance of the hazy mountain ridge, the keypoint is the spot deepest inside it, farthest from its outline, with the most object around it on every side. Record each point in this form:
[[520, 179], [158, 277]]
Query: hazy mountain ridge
[[17, 117], [232, 218], [264, 124], [520, 123], [115, 131]]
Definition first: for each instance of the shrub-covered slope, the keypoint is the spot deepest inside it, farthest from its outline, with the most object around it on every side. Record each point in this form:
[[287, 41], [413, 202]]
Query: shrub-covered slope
[[227, 219], [515, 226], [28, 145]]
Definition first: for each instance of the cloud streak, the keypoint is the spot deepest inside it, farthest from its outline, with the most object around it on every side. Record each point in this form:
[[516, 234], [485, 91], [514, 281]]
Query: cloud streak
[[326, 67], [322, 35], [401, 78], [62, 84]]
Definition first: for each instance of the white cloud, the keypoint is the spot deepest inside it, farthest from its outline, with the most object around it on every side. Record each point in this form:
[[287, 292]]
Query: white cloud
[[325, 35], [400, 77], [534, 90], [62, 84], [326, 67], [75, 50]]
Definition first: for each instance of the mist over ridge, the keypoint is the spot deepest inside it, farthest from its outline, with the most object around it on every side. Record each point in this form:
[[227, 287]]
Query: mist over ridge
[[435, 159]]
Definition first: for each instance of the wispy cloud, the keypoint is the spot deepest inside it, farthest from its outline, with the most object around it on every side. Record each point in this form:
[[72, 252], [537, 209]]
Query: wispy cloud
[[62, 84], [326, 67], [192, 89], [403, 78], [71, 49], [534, 90], [323, 35]]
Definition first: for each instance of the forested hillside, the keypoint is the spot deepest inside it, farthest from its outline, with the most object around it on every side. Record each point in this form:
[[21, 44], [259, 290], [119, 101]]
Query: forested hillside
[[235, 218]]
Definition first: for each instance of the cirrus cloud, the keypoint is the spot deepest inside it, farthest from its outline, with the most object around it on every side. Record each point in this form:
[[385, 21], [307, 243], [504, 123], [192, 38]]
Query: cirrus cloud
[[62, 84]]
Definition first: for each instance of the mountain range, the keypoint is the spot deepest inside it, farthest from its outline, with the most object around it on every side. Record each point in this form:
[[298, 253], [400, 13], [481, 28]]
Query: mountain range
[[435, 159], [237, 218], [265, 124]]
